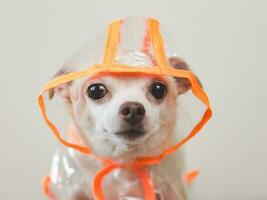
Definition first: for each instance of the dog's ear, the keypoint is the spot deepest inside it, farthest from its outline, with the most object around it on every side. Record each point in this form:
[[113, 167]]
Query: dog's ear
[[63, 89], [183, 84]]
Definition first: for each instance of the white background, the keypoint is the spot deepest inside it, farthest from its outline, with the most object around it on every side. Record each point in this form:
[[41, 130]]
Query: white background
[[226, 43]]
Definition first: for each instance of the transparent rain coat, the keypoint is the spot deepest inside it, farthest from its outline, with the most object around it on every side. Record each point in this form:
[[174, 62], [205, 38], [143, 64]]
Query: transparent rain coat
[[133, 46]]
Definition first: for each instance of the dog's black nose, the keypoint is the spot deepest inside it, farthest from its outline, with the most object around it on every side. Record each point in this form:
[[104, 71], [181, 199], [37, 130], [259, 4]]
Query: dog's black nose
[[132, 112]]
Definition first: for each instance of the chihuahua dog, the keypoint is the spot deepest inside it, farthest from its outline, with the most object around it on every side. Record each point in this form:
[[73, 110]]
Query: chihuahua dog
[[125, 117]]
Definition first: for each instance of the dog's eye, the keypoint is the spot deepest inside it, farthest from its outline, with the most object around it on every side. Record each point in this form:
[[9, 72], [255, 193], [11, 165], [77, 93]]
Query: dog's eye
[[158, 90], [96, 91]]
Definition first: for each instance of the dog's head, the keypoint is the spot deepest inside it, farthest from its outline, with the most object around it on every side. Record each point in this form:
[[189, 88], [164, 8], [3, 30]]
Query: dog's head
[[125, 116]]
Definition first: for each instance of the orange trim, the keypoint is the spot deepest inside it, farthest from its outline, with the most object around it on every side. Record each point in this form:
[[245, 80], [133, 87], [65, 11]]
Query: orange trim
[[98, 180], [113, 37], [190, 177], [157, 43], [110, 68], [46, 188], [56, 132], [147, 183]]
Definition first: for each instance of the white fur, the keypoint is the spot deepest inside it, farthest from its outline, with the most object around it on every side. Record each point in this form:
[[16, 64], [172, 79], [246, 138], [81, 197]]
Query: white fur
[[97, 122]]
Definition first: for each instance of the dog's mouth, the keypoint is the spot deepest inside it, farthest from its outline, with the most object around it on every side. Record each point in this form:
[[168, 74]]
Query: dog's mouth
[[131, 133]]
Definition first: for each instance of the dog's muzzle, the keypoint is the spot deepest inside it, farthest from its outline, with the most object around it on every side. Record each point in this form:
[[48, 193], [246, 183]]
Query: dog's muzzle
[[131, 133]]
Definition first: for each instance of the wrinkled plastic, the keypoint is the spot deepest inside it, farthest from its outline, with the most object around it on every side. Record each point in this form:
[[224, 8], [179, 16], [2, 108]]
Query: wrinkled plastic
[[72, 178]]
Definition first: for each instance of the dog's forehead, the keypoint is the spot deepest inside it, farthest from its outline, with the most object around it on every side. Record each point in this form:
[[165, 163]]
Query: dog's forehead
[[126, 80], [134, 80], [121, 81]]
